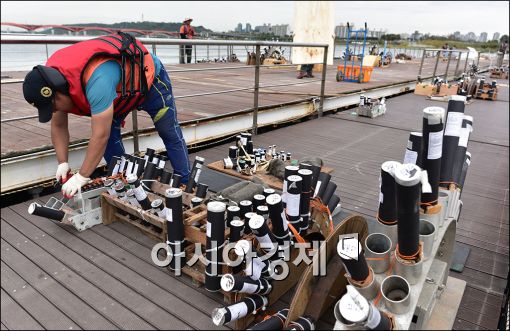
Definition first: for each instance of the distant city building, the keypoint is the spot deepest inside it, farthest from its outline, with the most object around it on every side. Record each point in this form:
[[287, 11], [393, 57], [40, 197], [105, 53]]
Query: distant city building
[[281, 30], [457, 35], [416, 35], [239, 27], [341, 30], [483, 37], [266, 28], [471, 36], [248, 27], [495, 36]]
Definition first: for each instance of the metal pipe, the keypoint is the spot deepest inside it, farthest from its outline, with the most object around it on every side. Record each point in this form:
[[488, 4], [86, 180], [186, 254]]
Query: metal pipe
[[195, 51], [447, 66], [435, 66], [136, 145], [256, 90], [323, 80], [421, 64], [154, 49], [455, 73], [478, 59], [467, 58], [19, 118], [234, 68]]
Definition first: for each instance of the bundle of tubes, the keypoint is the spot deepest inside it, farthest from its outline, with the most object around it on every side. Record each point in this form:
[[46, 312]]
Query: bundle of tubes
[[413, 152], [175, 227], [293, 196], [353, 258], [387, 212], [453, 125], [460, 152], [215, 240], [278, 220], [432, 151], [274, 322], [302, 323], [324, 190], [357, 312], [248, 305], [304, 202]]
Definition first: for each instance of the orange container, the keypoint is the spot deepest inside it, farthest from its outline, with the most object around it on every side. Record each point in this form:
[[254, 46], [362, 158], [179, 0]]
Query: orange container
[[352, 72]]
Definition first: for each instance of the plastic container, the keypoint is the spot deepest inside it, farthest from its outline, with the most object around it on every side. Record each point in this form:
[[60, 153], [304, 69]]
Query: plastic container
[[353, 72]]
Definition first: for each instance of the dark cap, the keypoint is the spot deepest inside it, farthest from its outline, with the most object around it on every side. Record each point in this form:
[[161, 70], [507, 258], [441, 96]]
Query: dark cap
[[39, 89]]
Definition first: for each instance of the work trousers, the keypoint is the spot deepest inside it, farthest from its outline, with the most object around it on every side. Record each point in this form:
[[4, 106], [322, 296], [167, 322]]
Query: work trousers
[[185, 51]]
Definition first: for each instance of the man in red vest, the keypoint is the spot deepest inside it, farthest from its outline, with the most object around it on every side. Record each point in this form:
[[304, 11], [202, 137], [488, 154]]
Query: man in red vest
[[104, 78], [186, 32]]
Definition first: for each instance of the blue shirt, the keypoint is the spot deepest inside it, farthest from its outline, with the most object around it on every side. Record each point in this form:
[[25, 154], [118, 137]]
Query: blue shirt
[[101, 87]]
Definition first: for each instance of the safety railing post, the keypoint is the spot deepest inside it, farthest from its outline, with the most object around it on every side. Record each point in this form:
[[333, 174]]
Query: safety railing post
[[256, 90], [478, 59], [207, 52], [47, 53], [447, 65], [195, 51], [435, 66], [457, 66], [466, 63], [323, 80], [421, 65], [154, 49], [136, 146]]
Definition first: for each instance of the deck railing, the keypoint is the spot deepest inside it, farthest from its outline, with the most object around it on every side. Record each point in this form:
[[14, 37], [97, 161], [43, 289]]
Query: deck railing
[[153, 43]]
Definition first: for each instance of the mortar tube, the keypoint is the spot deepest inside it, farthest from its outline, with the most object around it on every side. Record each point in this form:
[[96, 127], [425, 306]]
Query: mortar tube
[[233, 211], [460, 152], [322, 183], [162, 161], [196, 170], [46, 212], [414, 149], [463, 174], [302, 323], [278, 219], [244, 284], [294, 190], [215, 239], [108, 184], [378, 251], [175, 226], [249, 305], [176, 180], [123, 163], [304, 200], [268, 192], [149, 171], [166, 176], [427, 237], [264, 236], [396, 294], [120, 189], [202, 190], [275, 322], [258, 200], [333, 203], [432, 149], [139, 166], [453, 124], [246, 206], [195, 201], [149, 153], [353, 258], [236, 233], [114, 163], [233, 152], [158, 206], [263, 211], [328, 193], [157, 173], [289, 171], [139, 192], [316, 170]]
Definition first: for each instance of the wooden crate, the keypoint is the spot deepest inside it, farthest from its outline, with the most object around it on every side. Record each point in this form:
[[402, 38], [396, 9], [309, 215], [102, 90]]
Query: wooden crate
[[269, 180]]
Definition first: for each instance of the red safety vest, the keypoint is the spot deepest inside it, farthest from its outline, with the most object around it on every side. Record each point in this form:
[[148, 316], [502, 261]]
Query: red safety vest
[[78, 61]]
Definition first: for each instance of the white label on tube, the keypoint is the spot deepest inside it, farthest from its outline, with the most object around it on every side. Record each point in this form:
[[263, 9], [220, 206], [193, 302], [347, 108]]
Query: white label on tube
[[129, 168], [409, 144], [284, 191], [284, 220], [410, 157], [317, 188], [468, 161], [254, 269], [453, 124], [249, 288], [135, 170], [238, 310], [435, 145], [208, 229], [112, 192], [122, 164], [381, 197], [464, 137], [134, 202], [244, 141], [116, 169], [373, 319], [293, 204], [155, 160], [161, 164], [139, 193], [197, 175], [169, 216], [265, 241]]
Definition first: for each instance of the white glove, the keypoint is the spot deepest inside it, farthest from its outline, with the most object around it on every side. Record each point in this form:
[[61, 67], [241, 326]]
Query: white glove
[[62, 170], [73, 185]]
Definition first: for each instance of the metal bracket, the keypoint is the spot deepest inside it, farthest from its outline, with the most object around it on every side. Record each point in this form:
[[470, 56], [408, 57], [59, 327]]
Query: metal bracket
[[87, 219]]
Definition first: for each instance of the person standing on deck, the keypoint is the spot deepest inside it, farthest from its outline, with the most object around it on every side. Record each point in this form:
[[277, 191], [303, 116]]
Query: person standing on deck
[[104, 78], [186, 32]]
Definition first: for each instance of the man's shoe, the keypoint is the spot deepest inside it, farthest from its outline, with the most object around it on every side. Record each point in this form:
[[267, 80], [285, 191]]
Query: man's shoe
[[301, 75], [309, 75]]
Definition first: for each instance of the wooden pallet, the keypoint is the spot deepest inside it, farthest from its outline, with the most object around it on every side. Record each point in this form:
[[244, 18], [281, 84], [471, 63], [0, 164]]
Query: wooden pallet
[[486, 96], [269, 180]]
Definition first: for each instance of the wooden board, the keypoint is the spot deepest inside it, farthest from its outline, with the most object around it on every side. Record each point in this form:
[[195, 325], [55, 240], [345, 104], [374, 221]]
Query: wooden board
[[314, 294], [268, 179]]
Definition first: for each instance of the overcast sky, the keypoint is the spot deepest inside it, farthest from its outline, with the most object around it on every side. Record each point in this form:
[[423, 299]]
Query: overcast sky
[[442, 17]]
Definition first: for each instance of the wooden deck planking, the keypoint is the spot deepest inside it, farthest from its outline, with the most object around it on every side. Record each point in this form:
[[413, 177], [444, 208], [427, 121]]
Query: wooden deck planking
[[189, 109], [16, 316]]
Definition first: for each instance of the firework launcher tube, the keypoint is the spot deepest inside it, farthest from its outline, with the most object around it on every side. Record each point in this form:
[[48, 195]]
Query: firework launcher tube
[[396, 294], [378, 251], [232, 211], [322, 182], [316, 170], [427, 237], [108, 184], [140, 194], [244, 284], [294, 189], [460, 152], [408, 253], [328, 193], [155, 159], [264, 236], [233, 152], [162, 161], [166, 176], [268, 192], [278, 219], [353, 309], [236, 229], [333, 203], [432, 149], [131, 199], [302, 323], [305, 166], [258, 200], [176, 180], [149, 153], [465, 166], [387, 213], [255, 267], [274, 322], [263, 211], [175, 227], [353, 258], [246, 206], [414, 149], [113, 166], [40, 210], [453, 124], [195, 173], [120, 189], [139, 166], [215, 239], [158, 172], [149, 172], [289, 171], [202, 190], [159, 207], [129, 167], [304, 200], [195, 201], [248, 305], [123, 163]]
